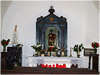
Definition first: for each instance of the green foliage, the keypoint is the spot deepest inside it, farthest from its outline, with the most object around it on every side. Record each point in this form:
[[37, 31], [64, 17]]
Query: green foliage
[[54, 49], [78, 48], [19, 45], [95, 45], [37, 47], [5, 42]]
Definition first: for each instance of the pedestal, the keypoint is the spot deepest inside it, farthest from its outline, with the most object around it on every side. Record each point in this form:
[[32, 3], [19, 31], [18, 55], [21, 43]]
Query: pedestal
[[3, 60], [95, 62], [14, 56]]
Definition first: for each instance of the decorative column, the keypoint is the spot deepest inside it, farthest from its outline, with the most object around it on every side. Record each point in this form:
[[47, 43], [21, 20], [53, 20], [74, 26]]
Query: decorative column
[[62, 37]]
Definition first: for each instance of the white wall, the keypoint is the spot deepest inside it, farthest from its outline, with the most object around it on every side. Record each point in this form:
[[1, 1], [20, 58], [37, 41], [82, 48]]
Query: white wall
[[0, 33], [4, 6], [99, 37], [82, 17]]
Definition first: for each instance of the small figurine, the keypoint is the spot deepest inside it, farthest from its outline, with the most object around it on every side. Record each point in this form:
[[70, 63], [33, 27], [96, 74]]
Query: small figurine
[[15, 36]]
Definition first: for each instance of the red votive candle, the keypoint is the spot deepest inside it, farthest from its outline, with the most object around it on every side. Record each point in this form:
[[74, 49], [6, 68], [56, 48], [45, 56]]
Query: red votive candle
[[57, 65], [53, 66], [42, 65], [46, 65], [49, 66], [64, 65]]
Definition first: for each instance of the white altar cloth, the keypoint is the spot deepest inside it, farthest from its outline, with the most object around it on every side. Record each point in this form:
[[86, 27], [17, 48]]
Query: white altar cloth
[[33, 61]]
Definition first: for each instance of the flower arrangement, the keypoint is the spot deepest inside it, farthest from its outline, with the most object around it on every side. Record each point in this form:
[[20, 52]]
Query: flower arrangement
[[95, 45], [37, 47], [4, 43], [78, 49], [52, 48]]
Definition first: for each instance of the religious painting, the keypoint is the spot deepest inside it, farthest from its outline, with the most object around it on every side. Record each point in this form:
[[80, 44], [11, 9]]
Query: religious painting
[[51, 37]]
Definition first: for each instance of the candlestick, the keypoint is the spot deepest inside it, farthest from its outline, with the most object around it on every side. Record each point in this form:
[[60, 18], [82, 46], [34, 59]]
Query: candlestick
[[71, 51]]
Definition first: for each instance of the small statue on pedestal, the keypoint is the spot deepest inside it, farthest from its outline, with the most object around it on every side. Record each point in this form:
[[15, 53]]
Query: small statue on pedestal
[[15, 36], [51, 38]]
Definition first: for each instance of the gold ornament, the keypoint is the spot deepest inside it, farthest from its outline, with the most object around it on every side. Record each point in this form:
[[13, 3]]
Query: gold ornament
[[51, 19]]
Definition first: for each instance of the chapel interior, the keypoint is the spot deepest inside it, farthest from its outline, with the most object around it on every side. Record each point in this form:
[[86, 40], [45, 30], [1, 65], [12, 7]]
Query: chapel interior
[[50, 37]]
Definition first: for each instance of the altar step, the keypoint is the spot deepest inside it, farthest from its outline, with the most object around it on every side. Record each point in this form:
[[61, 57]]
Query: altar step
[[40, 70]]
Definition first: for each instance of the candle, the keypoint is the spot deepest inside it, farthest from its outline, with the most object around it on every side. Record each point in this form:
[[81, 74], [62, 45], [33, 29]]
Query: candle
[[53, 66], [49, 66], [42, 65]]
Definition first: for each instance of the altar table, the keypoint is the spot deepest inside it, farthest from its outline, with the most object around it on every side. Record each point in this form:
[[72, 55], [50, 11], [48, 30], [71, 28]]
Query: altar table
[[68, 61]]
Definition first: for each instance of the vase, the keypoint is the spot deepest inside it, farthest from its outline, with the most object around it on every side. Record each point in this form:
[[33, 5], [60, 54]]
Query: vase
[[4, 48], [95, 51], [78, 54]]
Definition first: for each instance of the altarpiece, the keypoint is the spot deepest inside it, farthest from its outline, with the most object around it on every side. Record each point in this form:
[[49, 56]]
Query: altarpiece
[[51, 30]]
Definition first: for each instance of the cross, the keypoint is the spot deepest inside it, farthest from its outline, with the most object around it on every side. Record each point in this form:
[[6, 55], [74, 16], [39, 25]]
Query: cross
[[51, 7]]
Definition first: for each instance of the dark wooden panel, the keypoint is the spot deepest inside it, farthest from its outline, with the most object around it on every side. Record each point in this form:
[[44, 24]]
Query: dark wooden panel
[[88, 51], [39, 70], [95, 62], [3, 60], [14, 55]]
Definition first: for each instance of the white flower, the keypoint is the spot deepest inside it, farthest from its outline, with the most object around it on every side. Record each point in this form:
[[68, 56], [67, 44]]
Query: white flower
[[34, 45], [38, 45]]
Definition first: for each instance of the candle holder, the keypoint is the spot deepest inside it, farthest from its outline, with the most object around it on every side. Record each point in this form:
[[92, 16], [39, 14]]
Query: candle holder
[[66, 52], [59, 52], [46, 53], [62, 52], [71, 51], [51, 53]]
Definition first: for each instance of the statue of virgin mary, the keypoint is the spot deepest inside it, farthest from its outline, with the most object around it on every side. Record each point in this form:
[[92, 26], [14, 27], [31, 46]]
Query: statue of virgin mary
[[15, 36]]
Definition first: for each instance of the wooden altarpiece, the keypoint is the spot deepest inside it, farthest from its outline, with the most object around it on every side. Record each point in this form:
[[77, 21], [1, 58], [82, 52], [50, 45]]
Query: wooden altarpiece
[[57, 24]]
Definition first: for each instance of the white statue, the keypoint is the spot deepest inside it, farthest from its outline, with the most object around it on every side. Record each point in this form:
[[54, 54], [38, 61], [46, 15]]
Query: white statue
[[15, 36]]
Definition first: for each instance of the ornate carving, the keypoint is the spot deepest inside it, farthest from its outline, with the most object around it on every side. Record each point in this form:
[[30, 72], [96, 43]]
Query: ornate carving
[[51, 10], [14, 55], [51, 19]]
